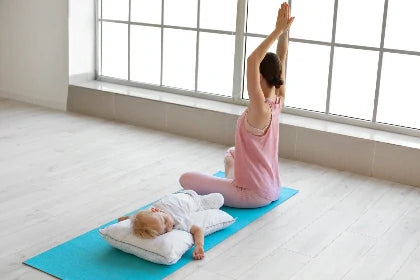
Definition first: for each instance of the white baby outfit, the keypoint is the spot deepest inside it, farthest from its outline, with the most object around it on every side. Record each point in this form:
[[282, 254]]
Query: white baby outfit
[[182, 204]]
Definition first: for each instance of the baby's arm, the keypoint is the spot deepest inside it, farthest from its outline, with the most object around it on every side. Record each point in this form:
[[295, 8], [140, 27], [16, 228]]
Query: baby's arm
[[198, 237]]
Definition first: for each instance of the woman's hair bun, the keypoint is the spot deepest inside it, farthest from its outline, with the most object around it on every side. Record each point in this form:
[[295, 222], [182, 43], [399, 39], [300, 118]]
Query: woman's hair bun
[[270, 69], [277, 82]]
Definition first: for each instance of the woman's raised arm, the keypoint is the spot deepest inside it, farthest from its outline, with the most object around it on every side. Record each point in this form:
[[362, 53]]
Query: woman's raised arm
[[256, 95]]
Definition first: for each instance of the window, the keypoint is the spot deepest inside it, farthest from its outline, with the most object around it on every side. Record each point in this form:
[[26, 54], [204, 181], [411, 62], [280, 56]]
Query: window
[[307, 76], [314, 19], [363, 70], [145, 54], [353, 83], [169, 44], [178, 63], [402, 25], [359, 22], [399, 96]]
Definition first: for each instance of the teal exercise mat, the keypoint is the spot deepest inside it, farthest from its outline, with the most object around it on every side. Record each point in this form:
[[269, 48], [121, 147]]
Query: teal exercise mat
[[89, 257]]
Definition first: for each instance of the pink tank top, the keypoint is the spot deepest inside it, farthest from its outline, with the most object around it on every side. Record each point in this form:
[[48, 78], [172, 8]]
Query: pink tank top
[[256, 157]]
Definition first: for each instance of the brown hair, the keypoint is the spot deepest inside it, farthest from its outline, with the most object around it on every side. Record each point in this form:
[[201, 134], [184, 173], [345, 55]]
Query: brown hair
[[141, 226], [270, 69]]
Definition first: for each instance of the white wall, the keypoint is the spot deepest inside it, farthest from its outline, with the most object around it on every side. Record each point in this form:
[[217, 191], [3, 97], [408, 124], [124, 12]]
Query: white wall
[[4, 47], [34, 51], [81, 40]]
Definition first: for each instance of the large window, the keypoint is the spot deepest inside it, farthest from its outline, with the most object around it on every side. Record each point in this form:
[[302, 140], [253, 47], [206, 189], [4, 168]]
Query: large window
[[349, 60], [184, 45]]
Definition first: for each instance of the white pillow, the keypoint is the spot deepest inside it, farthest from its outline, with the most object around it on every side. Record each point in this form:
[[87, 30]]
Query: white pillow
[[167, 248], [212, 220]]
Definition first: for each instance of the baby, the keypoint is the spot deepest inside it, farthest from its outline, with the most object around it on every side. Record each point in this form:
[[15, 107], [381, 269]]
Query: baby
[[174, 211]]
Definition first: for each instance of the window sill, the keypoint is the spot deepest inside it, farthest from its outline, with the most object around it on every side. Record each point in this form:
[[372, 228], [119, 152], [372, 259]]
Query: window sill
[[364, 151], [285, 118]]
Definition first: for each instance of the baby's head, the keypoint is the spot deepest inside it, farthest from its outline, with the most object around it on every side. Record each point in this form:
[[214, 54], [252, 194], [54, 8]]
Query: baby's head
[[151, 223]]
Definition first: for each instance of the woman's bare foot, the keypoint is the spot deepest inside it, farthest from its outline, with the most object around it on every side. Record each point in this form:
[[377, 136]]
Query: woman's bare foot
[[229, 167]]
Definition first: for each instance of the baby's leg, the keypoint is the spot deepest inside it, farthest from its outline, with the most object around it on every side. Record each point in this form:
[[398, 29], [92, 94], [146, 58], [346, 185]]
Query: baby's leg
[[198, 202], [233, 196], [211, 201], [229, 161]]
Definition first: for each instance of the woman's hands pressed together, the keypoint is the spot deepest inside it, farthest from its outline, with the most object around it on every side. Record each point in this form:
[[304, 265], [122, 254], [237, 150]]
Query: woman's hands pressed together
[[284, 21]]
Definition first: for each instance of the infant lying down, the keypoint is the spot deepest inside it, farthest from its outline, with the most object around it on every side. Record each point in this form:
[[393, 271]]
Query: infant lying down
[[174, 211]]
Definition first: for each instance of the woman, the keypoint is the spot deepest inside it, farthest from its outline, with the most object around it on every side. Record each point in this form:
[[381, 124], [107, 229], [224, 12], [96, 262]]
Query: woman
[[252, 177]]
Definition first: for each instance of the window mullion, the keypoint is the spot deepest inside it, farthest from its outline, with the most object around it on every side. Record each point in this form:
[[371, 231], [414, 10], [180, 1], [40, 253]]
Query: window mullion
[[197, 46], [238, 71], [287, 53], [327, 104], [161, 41], [97, 42], [381, 54], [129, 41], [102, 28]]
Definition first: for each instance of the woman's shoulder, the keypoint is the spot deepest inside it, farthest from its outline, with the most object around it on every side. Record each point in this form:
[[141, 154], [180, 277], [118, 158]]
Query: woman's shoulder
[[259, 108], [258, 117]]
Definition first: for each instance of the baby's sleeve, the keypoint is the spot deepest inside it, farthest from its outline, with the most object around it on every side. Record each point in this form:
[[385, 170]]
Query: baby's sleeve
[[185, 223]]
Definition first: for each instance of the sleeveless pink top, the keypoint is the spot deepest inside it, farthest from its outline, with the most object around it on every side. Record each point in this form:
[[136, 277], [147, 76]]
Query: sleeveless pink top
[[256, 157]]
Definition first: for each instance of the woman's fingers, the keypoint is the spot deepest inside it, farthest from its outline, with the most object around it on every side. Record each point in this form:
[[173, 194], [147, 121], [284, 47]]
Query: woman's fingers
[[284, 21], [284, 10], [290, 22]]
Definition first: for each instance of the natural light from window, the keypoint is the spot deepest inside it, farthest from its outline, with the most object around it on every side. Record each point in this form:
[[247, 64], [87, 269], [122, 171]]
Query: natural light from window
[[339, 65]]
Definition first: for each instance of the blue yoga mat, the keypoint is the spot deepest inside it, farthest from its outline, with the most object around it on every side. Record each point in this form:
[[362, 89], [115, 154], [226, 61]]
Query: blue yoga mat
[[89, 257]]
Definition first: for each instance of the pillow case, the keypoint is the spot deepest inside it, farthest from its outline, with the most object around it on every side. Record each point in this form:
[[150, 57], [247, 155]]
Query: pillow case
[[167, 248], [212, 220]]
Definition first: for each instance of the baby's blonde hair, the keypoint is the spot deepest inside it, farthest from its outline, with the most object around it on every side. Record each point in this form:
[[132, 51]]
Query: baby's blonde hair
[[141, 226]]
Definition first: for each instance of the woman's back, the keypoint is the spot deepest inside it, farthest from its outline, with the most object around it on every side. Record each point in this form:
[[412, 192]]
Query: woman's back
[[256, 163]]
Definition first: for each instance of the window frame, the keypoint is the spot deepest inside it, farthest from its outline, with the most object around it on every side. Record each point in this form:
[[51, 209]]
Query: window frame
[[239, 65]]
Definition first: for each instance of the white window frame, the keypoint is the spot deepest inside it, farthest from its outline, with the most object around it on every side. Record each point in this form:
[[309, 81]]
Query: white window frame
[[239, 63]]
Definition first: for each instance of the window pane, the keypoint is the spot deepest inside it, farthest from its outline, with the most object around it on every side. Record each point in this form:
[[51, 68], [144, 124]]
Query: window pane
[[251, 44], [366, 30], [115, 9], [225, 19], [148, 11], [181, 13], [399, 96], [145, 54], [179, 58], [353, 83], [313, 20], [215, 63], [266, 23], [115, 50], [402, 24], [307, 76]]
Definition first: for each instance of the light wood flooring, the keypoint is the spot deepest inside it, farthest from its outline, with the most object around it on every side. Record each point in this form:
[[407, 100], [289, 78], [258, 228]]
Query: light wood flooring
[[63, 174]]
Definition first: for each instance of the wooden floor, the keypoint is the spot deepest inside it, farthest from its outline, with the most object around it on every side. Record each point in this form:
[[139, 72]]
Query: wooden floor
[[63, 174]]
